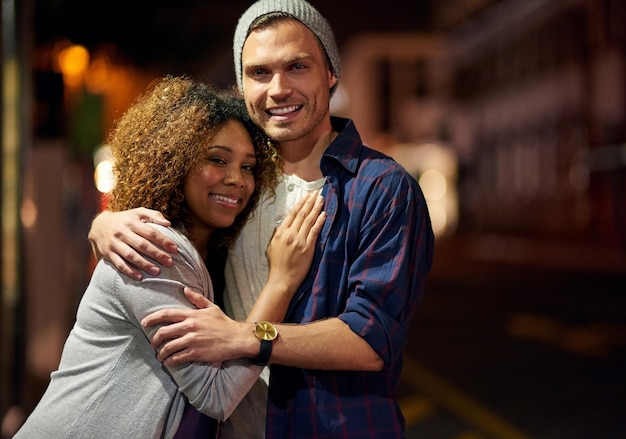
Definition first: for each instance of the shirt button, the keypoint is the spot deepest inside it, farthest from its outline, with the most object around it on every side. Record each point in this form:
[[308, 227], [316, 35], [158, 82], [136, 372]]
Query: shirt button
[[290, 187]]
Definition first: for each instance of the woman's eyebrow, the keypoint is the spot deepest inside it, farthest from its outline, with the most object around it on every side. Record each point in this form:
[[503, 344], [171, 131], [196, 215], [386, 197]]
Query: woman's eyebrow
[[229, 149]]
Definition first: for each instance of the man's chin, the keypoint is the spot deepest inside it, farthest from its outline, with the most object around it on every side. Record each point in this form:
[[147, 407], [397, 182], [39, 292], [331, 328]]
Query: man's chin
[[280, 134]]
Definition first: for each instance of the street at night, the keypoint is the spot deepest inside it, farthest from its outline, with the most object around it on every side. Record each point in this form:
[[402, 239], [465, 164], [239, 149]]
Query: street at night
[[518, 347]]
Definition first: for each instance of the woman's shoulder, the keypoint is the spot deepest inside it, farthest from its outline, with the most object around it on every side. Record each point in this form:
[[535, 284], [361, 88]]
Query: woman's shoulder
[[186, 256], [171, 233]]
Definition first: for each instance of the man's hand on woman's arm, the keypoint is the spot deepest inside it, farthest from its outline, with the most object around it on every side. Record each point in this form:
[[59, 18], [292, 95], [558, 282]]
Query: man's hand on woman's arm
[[208, 335], [205, 334], [125, 239]]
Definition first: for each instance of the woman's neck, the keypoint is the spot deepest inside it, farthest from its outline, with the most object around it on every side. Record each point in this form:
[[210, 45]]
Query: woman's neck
[[200, 240]]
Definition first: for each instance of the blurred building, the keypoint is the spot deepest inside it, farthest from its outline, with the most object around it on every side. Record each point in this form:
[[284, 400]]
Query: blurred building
[[530, 98], [539, 119]]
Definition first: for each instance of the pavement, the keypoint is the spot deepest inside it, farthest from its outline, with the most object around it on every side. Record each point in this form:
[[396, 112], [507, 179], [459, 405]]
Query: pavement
[[518, 339]]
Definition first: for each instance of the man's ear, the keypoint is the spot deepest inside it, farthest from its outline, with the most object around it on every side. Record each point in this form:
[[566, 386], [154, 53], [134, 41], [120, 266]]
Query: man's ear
[[333, 79]]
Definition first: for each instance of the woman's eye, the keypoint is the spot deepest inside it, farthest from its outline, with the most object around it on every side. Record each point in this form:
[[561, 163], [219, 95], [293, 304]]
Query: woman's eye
[[217, 160]]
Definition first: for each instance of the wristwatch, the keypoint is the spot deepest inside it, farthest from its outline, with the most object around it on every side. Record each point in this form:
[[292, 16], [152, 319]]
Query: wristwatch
[[266, 332]]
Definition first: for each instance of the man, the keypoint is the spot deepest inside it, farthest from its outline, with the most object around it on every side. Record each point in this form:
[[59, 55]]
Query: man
[[335, 373]]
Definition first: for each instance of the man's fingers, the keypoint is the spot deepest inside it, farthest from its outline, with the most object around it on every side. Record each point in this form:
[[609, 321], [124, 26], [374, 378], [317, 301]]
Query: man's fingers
[[197, 299], [123, 267], [156, 218], [172, 315], [155, 239], [175, 351], [178, 358], [165, 336], [152, 216], [169, 348], [132, 247], [150, 242], [127, 260]]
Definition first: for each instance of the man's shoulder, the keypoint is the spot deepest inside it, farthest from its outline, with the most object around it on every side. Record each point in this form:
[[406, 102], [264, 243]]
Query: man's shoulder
[[382, 165]]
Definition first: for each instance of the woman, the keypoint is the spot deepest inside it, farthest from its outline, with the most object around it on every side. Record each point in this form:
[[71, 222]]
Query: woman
[[194, 155]]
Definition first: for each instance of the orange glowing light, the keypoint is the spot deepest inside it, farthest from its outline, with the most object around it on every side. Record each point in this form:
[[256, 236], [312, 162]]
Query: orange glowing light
[[73, 62]]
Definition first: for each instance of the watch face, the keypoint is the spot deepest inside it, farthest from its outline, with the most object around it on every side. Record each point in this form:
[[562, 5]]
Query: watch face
[[265, 331]]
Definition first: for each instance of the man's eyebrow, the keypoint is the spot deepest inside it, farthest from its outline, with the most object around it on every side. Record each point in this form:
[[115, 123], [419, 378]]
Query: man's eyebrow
[[253, 66], [285, 62]]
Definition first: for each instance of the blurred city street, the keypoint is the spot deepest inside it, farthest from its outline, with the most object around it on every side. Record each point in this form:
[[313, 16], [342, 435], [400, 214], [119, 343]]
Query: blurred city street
[[511, 114], [518, 340]]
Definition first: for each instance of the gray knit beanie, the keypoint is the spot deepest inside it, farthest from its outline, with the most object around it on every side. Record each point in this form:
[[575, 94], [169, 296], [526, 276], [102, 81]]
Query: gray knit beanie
[[301, 11]]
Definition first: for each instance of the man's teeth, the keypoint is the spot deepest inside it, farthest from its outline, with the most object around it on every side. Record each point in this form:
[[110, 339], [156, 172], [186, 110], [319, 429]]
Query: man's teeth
[[280, 111]]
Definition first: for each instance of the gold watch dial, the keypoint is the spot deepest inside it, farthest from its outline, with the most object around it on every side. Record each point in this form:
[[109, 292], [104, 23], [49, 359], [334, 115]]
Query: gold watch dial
[[265, 331]]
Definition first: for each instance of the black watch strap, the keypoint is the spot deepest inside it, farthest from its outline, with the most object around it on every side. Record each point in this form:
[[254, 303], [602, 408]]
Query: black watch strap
[[265, 353]]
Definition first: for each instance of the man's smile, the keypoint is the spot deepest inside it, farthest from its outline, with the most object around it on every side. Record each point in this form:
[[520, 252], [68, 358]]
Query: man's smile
[[283, 111]]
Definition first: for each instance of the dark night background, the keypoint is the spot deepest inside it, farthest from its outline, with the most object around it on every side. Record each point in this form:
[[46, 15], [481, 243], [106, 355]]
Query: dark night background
[[177, 35]]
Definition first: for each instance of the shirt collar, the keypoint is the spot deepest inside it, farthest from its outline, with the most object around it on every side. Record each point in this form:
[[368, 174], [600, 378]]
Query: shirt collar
[[347, 146]]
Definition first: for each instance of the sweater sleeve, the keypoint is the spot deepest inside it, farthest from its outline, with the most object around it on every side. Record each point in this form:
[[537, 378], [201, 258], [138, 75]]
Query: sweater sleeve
[[215, 389]]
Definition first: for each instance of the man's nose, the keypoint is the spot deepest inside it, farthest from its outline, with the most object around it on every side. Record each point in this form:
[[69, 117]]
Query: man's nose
[[280, 85]]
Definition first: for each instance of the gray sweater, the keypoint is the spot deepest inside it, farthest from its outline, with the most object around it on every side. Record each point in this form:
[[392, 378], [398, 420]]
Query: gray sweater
[[109, 383]]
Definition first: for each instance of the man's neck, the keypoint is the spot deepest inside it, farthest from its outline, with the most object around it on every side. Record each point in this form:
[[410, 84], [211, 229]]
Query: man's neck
[[303, 159]]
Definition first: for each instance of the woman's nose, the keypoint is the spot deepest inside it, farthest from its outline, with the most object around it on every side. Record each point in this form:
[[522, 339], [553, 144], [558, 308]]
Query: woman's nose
[[234, 177]]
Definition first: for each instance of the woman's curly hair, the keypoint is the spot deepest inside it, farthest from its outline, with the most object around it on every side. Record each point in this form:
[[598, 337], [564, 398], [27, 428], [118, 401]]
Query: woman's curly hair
[[161, 139]]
